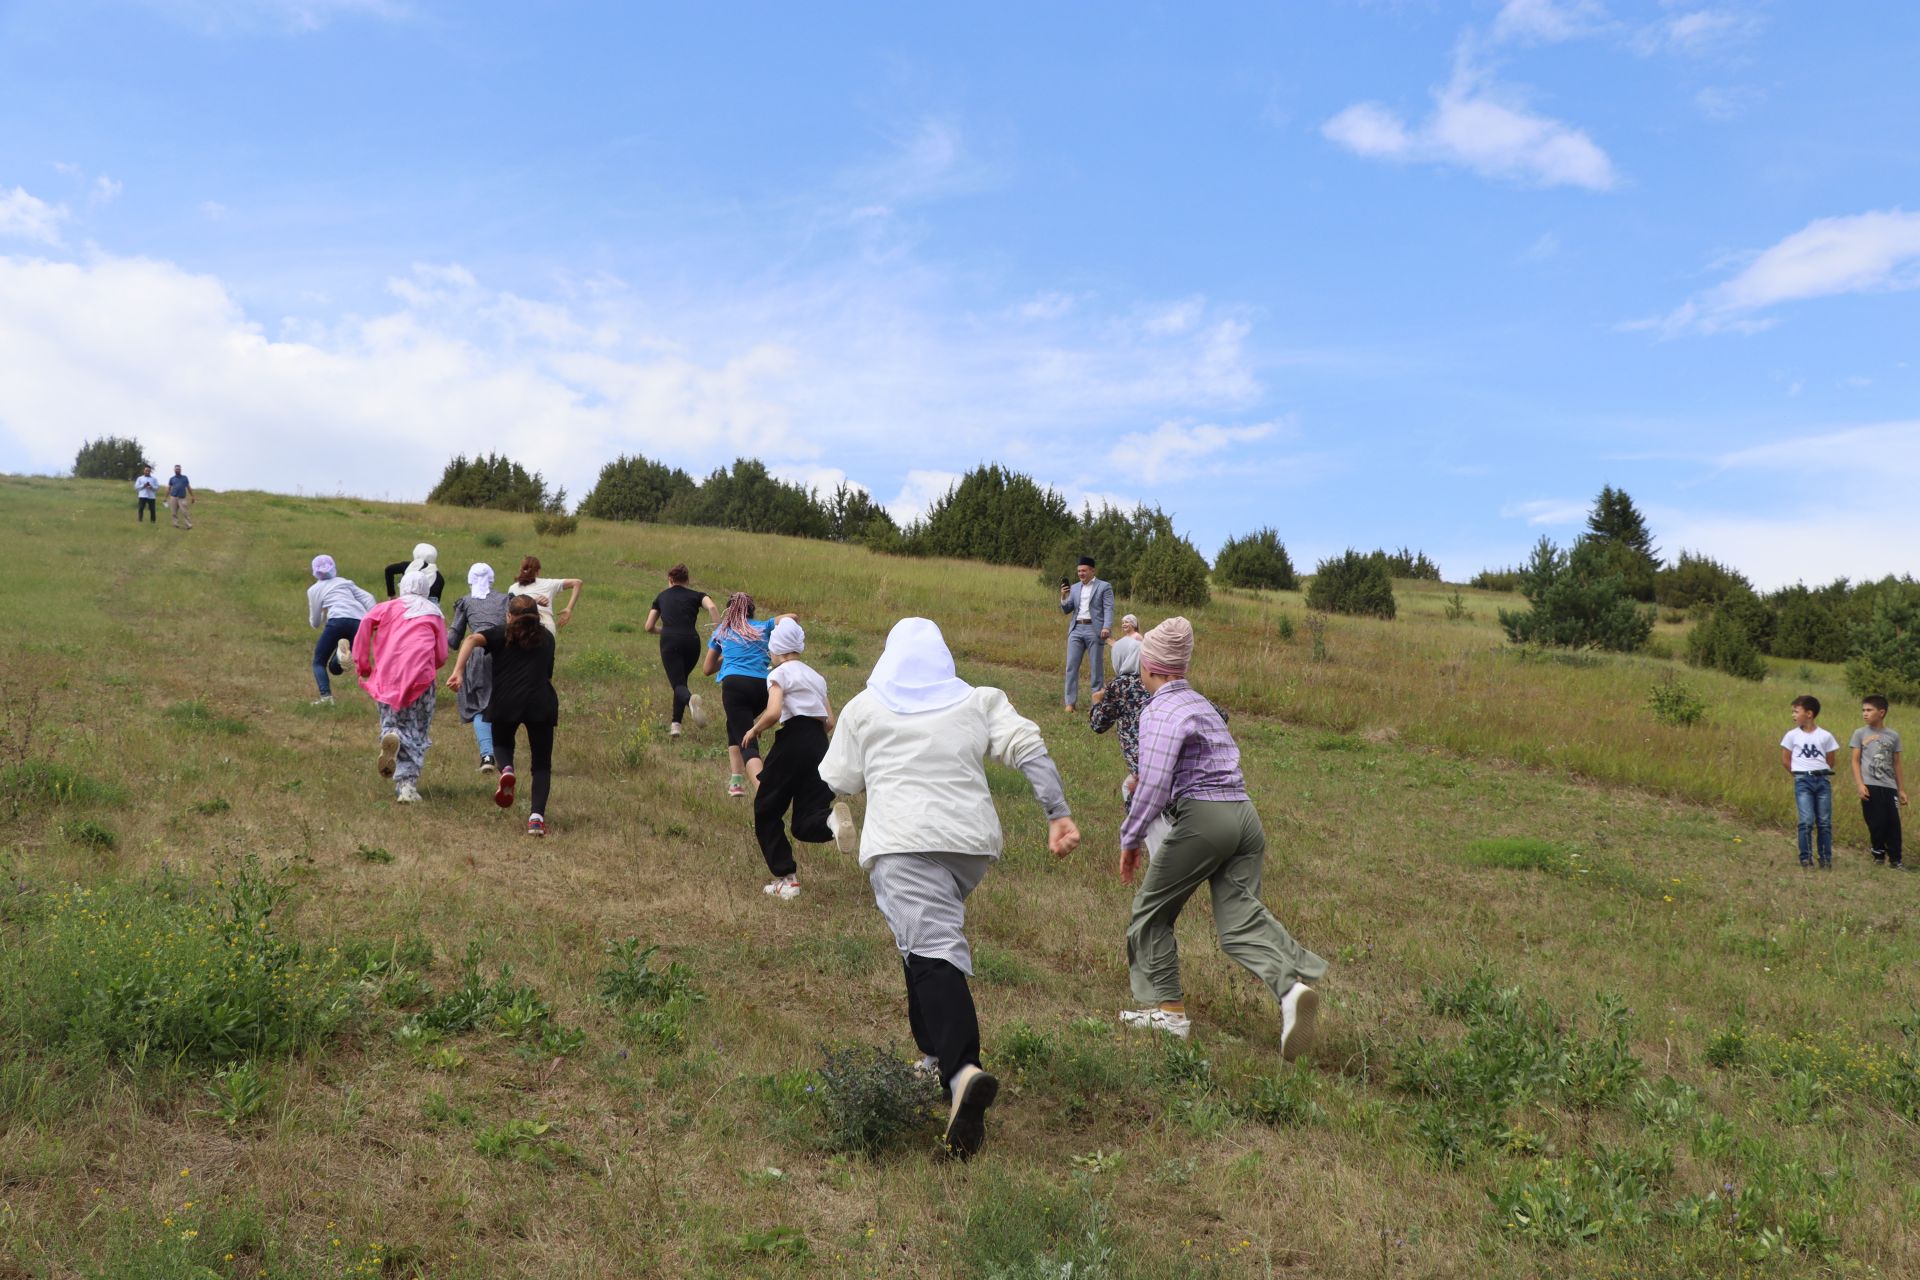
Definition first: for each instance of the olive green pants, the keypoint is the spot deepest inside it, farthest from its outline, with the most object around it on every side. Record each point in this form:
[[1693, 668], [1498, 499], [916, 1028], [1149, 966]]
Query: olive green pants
[[1218, 843]]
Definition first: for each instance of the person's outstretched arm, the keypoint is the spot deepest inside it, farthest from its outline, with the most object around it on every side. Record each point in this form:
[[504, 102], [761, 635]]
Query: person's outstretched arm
[[776, 698], [710, 664], [713, 610], [394, 571], [458, 676], [572, 585]]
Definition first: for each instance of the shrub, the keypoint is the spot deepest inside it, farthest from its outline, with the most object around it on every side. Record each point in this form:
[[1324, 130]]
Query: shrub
[[1171, 572], [634, 488], [992, 514], [1698, 580], [494, 481], [90, 833], [1886, 657], [554, 524], [493, 538], [751, 499], [1407, 563], [1352, 583], [1675, 702], [1577, 602], [1720, 643], [110, 458], [174, 969], [1809, 625], [853, 516], [1259, 561], [873, 1098], [1498, 579]]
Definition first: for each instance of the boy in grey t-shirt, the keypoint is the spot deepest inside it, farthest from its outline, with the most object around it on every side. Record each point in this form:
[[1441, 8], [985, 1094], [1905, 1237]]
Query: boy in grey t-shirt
[[1876, 772]]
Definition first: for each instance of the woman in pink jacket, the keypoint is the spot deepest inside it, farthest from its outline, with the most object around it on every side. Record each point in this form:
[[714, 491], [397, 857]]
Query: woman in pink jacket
[[400, 646]]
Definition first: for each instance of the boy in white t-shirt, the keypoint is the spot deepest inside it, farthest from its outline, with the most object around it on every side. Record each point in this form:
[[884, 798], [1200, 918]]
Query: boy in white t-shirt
[[797, 702], [1808, 753]]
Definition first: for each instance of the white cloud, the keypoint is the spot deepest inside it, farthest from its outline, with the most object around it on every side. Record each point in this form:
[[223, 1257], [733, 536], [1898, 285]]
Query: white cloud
[[29, 218], [1863, 253], [918, 491], [1480, 126], [1546, 245], [1175, 317], [1176, 449], [1724, 103], [104, 190], [1548, 21], [1547, 511], [1893, 446], [1784, 546], [1698, 32], [1047, 306]]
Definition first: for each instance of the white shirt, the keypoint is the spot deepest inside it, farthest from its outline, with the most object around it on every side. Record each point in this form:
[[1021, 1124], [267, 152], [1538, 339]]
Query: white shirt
[[337, 598], [543, 590], [1086, 602], [1808, 751], [926, 788], [146, 486], [803, 691]]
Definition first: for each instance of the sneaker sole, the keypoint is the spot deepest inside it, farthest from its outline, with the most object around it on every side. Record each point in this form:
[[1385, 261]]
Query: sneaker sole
[[343, 654], [697, 711], [967, 1131], [846, 836], [503, 794], [389, 752], [1300, 1038]]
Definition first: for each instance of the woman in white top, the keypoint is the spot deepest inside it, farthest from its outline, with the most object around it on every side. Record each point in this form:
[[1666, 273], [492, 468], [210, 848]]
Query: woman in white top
[[796, 701], [544, 591], [914, 740], [335, 606]]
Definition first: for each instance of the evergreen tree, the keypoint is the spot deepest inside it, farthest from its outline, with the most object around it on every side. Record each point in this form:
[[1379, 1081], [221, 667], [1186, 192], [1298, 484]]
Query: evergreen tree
[[634, 488], [748, 498], [1720, 642], [110, 458], [1886, 654], [1407, 563], [1353, 583], [1698, 580], [1115, 539], [1170, 570], [995, 515], [493, 481], [1577, 600], [853, 516], [1258, 560], [1625, 547]]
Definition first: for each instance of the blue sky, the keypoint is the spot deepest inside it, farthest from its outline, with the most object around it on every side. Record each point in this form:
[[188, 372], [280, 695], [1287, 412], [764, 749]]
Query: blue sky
[[1370, 273]]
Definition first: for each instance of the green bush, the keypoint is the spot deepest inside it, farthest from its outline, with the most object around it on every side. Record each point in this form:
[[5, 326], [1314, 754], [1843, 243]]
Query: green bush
[[992, 514], [493, 481], [1497, 580], [873, 1099], [170, 968], [1578, 602], [1407, 563], [110, 458], [1257, 561], [634, 488], [554, 524], [1352, 583], [1720, 643], [1886, 656], [1698, 580], [751, 499], [1673, 701], [1171, 572]]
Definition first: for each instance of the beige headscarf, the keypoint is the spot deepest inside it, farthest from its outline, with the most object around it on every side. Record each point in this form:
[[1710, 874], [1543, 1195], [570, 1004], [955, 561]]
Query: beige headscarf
[[1168, 648]]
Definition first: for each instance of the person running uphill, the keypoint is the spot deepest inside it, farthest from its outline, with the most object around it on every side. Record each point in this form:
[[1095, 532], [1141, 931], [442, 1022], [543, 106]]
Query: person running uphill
[[523, 694], [482, 607], [737, 658], [1190, 769], [797, 702], [335, 605], [425, 556], [544, 592], [400, 646], [913, 740], [672, 618]]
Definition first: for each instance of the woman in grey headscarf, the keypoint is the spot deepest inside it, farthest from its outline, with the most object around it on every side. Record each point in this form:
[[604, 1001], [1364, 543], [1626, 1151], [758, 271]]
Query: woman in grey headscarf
[[482, 608]]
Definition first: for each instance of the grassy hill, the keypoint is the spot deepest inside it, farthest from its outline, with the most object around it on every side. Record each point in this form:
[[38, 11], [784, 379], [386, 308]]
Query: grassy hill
[[1585, 1017]]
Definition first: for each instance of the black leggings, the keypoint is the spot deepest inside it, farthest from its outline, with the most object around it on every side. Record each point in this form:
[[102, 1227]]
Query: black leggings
[[792, 779], [1881, 809], [679, 654], [941, 1014], [744, 698], [540, 744]]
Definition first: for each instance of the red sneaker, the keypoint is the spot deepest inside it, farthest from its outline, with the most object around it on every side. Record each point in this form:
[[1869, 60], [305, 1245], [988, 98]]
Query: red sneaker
[[503, 794]]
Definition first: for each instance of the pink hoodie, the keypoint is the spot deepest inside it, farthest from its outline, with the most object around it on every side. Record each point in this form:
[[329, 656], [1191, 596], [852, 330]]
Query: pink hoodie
[[397, 656]]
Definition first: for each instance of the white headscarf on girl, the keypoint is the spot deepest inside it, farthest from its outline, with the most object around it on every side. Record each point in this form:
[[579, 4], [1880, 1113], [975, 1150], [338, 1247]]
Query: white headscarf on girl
[[480, 580], [915, 672], [424, 557], [787, 637], [413, 589]]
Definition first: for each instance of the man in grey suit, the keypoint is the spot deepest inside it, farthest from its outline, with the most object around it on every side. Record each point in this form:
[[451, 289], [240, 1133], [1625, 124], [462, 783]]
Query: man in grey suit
[[1089, 603]]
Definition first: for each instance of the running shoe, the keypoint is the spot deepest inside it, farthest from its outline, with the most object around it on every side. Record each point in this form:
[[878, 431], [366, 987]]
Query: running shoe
[[536, 825], [673, 730], [846, 836], [389, 752], [487, 763], [503, 794], [408, 794], [343, 654], [698, 711], [324, 700], [737, 785], [973, 1092], [1153, 1018], [1297, 1010], [785, 888]]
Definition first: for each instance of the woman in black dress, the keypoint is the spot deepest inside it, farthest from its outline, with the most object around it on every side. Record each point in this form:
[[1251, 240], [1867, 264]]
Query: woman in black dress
[[673, 616], [523, 694]]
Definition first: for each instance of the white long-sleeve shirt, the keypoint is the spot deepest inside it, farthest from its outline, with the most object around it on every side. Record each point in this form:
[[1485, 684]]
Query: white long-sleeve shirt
[[336, 598], [926, 787]]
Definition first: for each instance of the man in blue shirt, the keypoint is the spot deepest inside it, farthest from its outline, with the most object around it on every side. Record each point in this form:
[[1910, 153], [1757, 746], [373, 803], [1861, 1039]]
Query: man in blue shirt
[[1089, 603], [179, 497]]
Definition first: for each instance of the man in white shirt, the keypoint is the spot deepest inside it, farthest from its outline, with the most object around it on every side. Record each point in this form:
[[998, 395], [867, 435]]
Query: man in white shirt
[[1089, 602], [146, 487]]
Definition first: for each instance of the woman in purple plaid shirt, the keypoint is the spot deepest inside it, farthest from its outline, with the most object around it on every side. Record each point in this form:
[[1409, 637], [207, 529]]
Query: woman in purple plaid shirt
[[1189, 769]]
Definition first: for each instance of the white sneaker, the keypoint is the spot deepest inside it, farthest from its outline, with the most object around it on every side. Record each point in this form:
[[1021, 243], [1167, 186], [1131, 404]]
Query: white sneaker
[[973, 1092], [785, 888], [927, 1066], [343, 654], [324, 700], [697, 711], [846, 836], [408, 794], [673, 730], [1297, 1010], [1155, 1019], [389, 752]]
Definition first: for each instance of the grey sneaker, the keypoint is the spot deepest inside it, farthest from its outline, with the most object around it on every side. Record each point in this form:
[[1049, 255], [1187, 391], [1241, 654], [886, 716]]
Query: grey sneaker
[[389, 752], [1297, 1011]]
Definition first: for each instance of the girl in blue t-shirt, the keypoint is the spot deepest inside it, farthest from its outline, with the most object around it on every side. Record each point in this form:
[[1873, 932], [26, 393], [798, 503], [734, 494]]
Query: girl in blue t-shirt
[[737, 658]]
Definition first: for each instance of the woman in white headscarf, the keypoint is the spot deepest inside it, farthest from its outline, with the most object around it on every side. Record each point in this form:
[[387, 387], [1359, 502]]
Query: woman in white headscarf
[[400, 646], [482, 607], [425, 556], [914, 740]]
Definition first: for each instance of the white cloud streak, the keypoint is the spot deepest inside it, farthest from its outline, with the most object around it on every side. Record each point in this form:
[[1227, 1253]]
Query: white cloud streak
[[1174, 450], [1548, 21], [1547, 511], [26, 217]]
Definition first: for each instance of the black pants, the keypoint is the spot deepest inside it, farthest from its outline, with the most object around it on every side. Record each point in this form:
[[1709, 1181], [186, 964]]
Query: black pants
[[744, 698], [792, 779], [940, 1011], [1881, 809], [679, 654], [147, 507], [540, 744]]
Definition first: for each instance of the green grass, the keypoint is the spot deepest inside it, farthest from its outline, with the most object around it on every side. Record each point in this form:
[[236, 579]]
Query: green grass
[[1585, 1017]]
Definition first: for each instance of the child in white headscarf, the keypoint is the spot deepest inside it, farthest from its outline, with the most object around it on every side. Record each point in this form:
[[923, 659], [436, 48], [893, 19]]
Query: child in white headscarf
[[400, 645], [477, 611], [426, 557], [796, 701], [914, 741], [334, 607]]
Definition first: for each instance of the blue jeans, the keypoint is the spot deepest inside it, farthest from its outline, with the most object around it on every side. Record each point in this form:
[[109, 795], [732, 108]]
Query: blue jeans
[[336, 630], [483, 735], [1813, 797], [1084, 640]]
